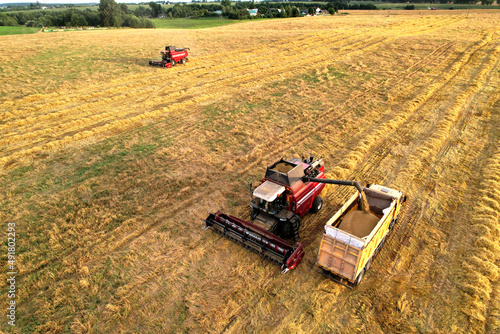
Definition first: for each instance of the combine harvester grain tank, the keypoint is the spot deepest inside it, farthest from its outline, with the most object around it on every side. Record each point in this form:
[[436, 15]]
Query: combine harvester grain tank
[[289, 190]]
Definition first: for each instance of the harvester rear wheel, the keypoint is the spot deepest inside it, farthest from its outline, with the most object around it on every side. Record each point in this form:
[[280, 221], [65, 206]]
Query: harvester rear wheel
[[183, 60], [317, 204], [295, 222]]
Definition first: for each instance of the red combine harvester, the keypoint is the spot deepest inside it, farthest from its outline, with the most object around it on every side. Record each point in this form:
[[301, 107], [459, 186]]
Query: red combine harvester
[[289, 190], [171, 56]]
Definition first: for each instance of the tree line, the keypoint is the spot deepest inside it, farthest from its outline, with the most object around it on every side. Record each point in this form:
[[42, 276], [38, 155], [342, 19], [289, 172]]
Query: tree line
[[109, 14], [239, 10], [112, 14]]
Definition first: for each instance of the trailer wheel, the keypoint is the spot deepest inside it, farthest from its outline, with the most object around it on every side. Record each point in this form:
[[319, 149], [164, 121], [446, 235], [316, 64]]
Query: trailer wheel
[[317, 204], [360, 277], [368, 264], [391, 225]]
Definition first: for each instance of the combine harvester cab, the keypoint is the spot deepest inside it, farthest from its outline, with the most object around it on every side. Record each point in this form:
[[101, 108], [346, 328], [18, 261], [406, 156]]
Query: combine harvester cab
[[285, 196], [352, 238], [171, 56]]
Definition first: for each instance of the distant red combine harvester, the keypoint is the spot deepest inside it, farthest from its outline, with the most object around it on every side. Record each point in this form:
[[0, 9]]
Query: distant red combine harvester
[[171, 56]]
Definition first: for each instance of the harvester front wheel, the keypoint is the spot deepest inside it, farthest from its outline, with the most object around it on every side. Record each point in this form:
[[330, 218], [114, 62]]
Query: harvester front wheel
[[317, 204], [172, 62], [253, 213], [290, 228], [295, 223]]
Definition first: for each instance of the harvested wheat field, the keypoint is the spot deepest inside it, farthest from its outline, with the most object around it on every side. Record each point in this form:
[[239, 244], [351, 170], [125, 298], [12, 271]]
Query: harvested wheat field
[[109, 167]]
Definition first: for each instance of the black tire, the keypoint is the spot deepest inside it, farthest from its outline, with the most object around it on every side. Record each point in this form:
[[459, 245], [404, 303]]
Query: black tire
[[360, 277], [285, 229], [368, 264], [317, 205], [183, 60], [289, 229], [295, 222], [172, 62], [391, 225]]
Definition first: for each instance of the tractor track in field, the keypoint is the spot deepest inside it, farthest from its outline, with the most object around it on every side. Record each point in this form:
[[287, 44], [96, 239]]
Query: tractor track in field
[[411, 214], [324, 116], [401, 135], [410, 219]]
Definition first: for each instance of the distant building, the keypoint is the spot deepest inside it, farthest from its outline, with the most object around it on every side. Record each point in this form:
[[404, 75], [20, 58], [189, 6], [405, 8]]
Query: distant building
[[253, 12]]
